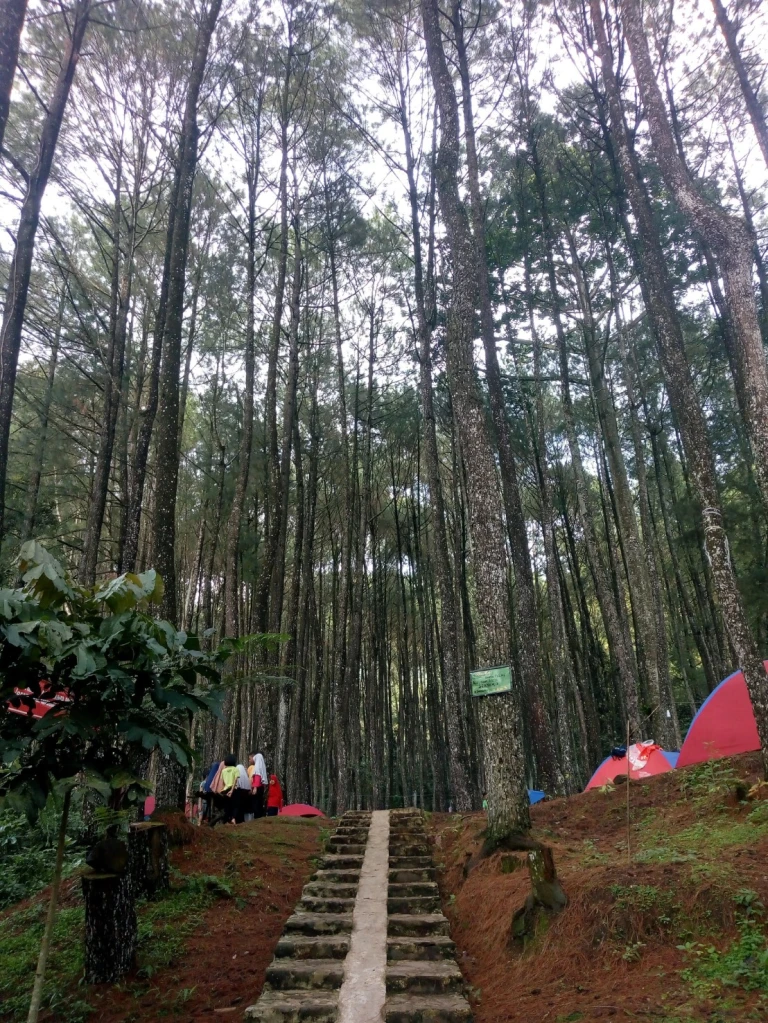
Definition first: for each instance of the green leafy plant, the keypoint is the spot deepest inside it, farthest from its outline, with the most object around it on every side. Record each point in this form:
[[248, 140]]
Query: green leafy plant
[[744, 964], [120, 680]]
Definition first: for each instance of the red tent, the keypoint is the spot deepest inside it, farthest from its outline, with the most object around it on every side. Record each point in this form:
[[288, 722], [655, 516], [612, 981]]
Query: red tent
[[724, 725], [39, 707], [301, 810], [645, 760]]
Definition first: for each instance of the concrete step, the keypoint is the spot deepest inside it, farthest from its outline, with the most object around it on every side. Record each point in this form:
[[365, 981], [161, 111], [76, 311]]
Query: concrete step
[[355, 837], [294, 1007], [409, 862], [320, 904], [342, 876], [437, 946], [409, 849], [404, 875], [330, 890], [319, 923], [304, 946], [300, 974], [427, 1009], [358, 849], [398, 890], [332, 862], [424, 978], [414, 904], [416, 925]]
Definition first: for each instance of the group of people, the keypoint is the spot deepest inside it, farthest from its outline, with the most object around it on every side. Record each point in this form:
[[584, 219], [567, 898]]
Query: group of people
[[235, 793]]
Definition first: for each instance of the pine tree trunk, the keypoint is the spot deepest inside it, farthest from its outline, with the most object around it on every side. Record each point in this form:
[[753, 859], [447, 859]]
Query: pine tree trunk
[[148, 858], [111, 929], [677, 373], [167, 425], [33, 487], [549, 770], [113, 385], [501, 725], [12, 14], [20, 270], [615, 627], [726, 234]]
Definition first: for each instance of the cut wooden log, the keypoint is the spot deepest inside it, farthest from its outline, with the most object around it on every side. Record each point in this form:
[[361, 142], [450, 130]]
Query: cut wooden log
[[110, 927], [148, 858]]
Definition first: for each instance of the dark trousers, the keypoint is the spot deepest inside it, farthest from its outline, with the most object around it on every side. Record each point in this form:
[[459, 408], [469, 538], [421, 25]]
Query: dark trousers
[[257, 802], [271, 811]]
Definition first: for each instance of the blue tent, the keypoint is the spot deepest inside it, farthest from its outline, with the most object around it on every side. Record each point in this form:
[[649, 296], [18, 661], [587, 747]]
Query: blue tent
[[536, 796]]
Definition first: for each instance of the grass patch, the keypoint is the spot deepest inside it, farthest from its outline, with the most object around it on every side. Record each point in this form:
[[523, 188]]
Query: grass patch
[[742, 964], [20, 936], [164, 926], [704, 841]]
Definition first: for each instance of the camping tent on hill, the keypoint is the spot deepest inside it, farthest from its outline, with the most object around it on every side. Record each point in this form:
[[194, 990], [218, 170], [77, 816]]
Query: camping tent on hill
[[724, 725], [645, 760]]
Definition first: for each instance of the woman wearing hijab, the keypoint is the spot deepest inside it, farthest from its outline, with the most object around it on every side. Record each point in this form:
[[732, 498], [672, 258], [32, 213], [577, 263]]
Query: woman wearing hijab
[[274, 797], [258, 774]]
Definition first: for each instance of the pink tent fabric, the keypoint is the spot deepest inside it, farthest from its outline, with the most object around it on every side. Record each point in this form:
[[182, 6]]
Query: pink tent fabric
[[645, 760], [301, 810], [724, 726]]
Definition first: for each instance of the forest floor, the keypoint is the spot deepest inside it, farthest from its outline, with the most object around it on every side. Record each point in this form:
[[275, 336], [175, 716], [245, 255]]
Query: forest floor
[[676, 936], [203, 947]]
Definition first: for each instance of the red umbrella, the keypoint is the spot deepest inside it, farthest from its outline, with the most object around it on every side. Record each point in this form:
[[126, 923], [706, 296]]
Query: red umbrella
[[301, 810]]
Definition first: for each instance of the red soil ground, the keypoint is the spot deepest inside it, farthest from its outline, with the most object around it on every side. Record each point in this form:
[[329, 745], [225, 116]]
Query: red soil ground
[[613, 953], [223, 966]]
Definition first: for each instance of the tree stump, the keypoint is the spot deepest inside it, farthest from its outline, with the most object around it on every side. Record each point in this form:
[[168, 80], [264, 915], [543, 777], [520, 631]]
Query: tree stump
[[148, 858], [546, 894], [110, 927]]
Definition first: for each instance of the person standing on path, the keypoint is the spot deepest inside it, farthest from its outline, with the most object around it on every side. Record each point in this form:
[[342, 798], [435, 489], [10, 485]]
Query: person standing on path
[[274, 797], [242, 796], [229, 779], [258, 775]]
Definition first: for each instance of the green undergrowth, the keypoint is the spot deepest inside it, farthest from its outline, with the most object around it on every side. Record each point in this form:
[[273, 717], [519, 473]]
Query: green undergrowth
[[164, 926], [704, 842], [741, 964]]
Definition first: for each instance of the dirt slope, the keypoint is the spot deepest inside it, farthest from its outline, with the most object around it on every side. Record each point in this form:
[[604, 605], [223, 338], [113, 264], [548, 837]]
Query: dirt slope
[[203, 948], [698, 878]]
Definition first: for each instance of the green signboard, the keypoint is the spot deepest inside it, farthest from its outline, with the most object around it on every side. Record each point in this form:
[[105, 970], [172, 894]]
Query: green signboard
[[491, 680]]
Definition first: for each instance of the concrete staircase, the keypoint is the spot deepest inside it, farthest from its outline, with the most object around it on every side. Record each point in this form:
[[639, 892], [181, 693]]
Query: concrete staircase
[[423, 982], [304, 978]]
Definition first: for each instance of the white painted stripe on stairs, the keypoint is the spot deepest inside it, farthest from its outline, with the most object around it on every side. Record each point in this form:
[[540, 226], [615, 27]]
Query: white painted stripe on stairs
[[363, 992]]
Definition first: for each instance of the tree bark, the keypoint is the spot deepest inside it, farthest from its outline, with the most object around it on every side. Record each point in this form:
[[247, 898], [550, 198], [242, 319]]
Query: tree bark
[[501, 726], [33, 487], [12, 13], [111, 929], [549, 770], [167, 459], [452, 661], [252, 174], [21, 263], [728, 237], [683, 397]]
